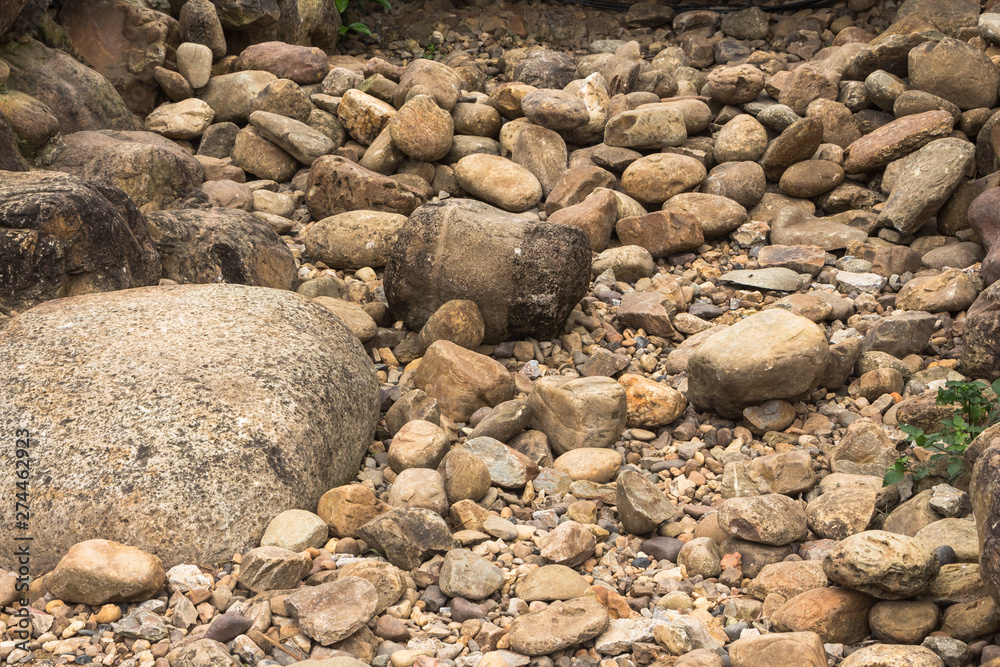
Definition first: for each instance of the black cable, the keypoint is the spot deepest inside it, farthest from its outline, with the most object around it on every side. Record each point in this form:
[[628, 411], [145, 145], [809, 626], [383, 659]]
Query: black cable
[[621, 6]]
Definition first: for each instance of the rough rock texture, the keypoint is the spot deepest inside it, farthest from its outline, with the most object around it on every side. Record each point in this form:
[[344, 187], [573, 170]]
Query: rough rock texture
[[80, 98], [773, 354], [220, 245], [179, 387], [62, 236], [528, 275]]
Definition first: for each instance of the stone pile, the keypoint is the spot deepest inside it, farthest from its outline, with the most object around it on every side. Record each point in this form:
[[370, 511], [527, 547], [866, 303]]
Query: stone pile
[[646, 298]]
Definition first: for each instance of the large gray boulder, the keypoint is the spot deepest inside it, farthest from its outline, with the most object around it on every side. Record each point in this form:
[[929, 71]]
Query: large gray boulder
[[180, 419], [524, 276]]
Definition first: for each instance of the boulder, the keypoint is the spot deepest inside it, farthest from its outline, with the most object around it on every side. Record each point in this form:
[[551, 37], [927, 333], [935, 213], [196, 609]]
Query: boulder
[[106, 35], [81, 98], [96, 572], [354, 239], [221, 245], [983, 455], [772, 354], [882, 564], [266, 427], [62, 236], [337, 185], [525, 281], [981, 352], [557, 627], [461, 380], [578, 412]]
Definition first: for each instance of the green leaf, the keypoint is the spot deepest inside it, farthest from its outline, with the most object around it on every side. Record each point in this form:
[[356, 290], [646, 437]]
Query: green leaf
[[384, 3], [341, 6], [343, 30], [892, 475], [360, 27], [955, 469]]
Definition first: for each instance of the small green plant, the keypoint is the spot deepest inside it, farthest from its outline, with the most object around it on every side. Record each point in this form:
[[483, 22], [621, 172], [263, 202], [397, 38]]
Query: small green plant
[[430, 51], [978, 408], [356, 26]]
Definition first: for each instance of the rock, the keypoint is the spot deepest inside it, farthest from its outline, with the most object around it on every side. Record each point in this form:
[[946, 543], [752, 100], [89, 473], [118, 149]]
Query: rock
[[949, 291], [882, 564], [742, 138], [273, 568], [65, 214], [903, 622], [194, 63], [151, 176], [629, 263], [296, 138], [656, 178], [417, 444], [969, 621], [581, 412], [346, 508], [701, 557], [555, 109], [552, 582], [909, 517], [772, 354], [354, 316], [364, 116], [839, 513], [262, 158], [837, 615], [980, 355], [407, 537], [596, 216], [166, 370], [796, 143], [569, 544], [590, 463], [641, 506], [900, 334], [301, 64], [182, 120], [96, 572], [650, 127], [959, 534], [794, 227], [743, 182], [785, 649], [717, 216], [228, 626], [650, 403], [204, 652], [220, 245], [788, 579], [443, 82], [333, 611], [295, 530], [463, 381], [389, 581], [865, 449], [737, 84], [650, 311], [661, 232], [465, 476], [231, 95], [790, 473], [559, 626], [199, 23], [466, 575], [887, 655], [529, 277], [337, 185], [498, 181], [931, 69], [772, 278], [508, 468], [773, 519], [354, 239], [811, 178], [895, 140], [934, 171], [422, 130]]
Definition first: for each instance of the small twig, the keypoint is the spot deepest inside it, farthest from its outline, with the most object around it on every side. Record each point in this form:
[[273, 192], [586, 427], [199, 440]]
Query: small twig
[[301, 656]]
